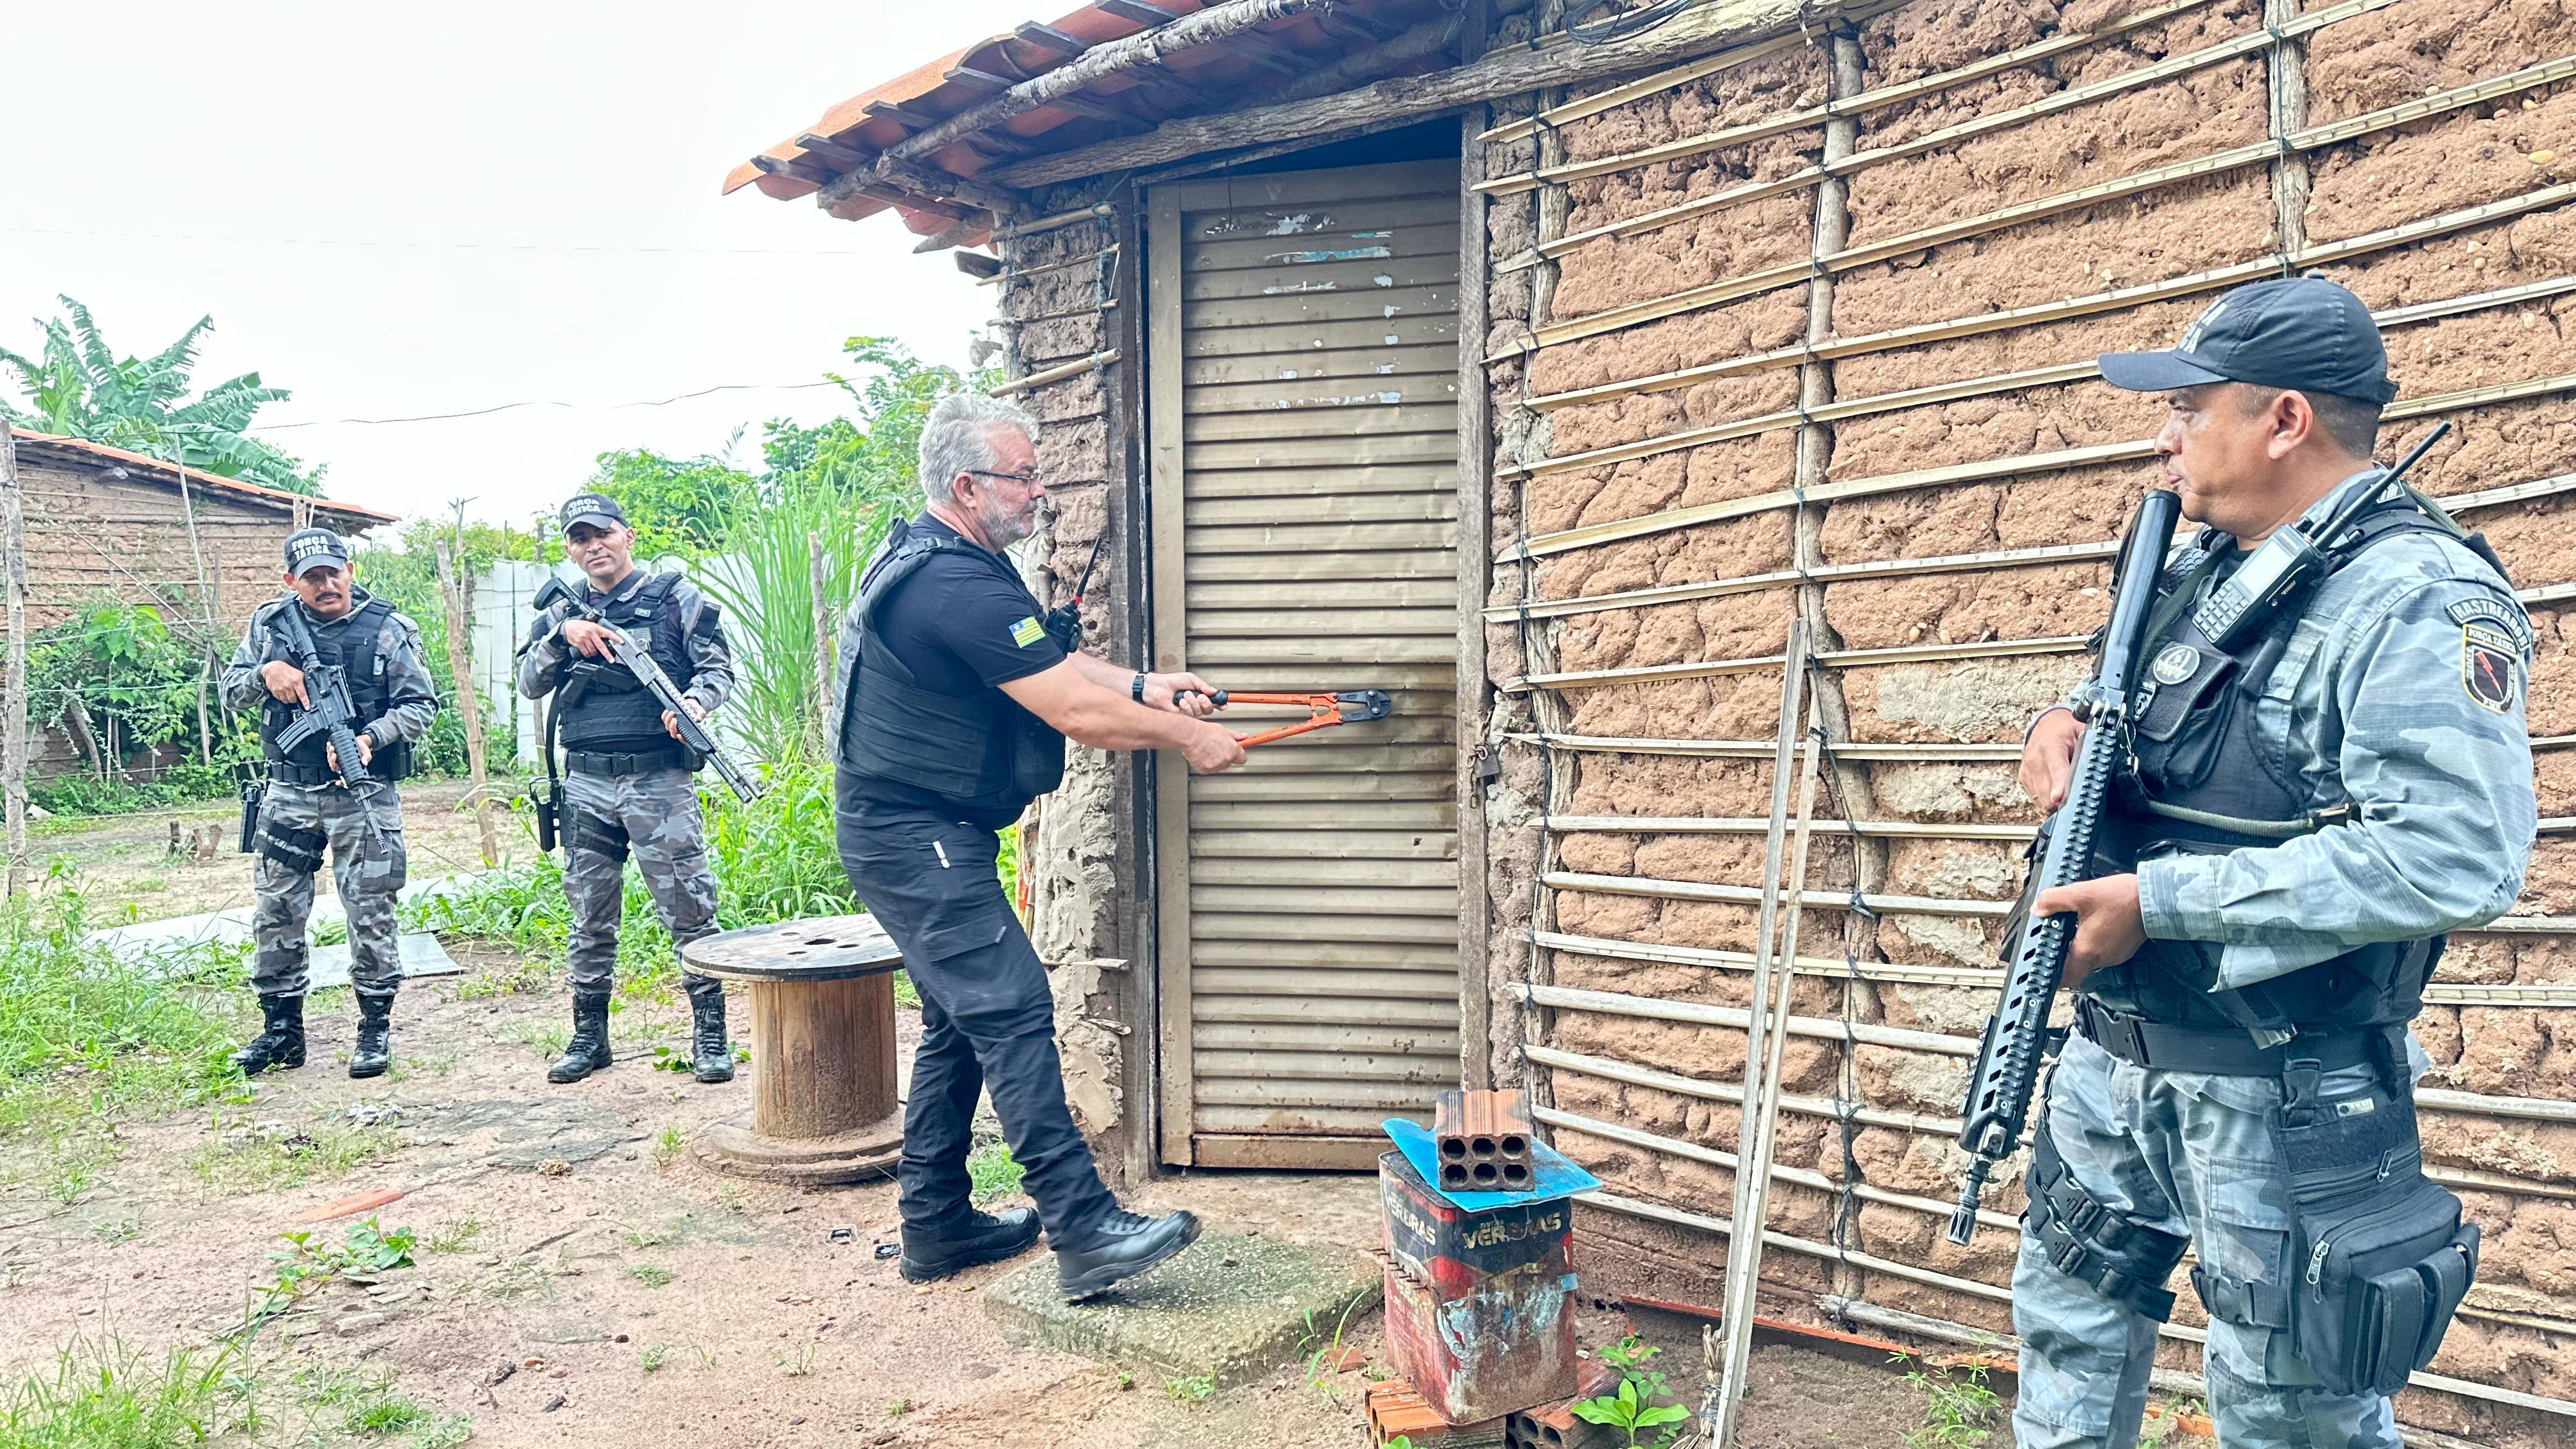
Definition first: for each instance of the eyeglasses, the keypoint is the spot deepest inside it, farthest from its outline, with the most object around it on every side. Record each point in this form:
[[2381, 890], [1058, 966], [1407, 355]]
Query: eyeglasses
[[1028, 479]]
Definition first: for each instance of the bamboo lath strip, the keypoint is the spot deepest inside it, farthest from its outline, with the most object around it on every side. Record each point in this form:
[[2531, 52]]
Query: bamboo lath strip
[[2063, 308], [2442, 993], [2404, 113], [1836, 659], [1745, 824], [1986, 471], [1714, 293], [2054, 374], [2054, 553], [1752, 749], [2041, 555], [1861, 104], [1692, 890], [1584, 107]]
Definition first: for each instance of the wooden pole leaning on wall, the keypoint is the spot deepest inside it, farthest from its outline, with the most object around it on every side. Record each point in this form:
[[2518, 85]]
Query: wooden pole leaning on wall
[[469, 698], [13, 694], [825, 657], [1714, 1383], [1757, 1132]]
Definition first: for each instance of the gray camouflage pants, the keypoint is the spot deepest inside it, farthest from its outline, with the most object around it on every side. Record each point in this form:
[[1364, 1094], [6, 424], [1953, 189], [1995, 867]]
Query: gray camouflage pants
[[655, 816], [295, 824], [2184, 1152]]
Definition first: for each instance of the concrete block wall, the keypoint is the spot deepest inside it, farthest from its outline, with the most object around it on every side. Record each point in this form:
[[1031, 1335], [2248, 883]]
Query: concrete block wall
[[1984, 658]]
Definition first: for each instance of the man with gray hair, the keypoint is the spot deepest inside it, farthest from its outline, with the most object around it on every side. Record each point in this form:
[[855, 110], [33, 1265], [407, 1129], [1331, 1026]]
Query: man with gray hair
[[955, 707]]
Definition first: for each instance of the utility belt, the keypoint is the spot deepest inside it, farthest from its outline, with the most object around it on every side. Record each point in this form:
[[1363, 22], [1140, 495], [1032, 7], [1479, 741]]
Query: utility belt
[[2143, 1043], [598, 762], [2379, 1255]]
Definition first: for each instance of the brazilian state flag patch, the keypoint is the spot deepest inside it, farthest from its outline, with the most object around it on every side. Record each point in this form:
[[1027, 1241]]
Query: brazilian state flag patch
[[2487, 658], [1027, 632]]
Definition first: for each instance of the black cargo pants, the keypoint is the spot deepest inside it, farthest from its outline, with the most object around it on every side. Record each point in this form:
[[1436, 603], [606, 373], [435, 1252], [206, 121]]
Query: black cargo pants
[[987, 1017]]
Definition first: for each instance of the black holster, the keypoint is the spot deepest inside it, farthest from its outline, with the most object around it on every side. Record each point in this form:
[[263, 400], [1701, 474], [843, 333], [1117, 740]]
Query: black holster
[[252, 793], [546, 798], [2383, 1254]]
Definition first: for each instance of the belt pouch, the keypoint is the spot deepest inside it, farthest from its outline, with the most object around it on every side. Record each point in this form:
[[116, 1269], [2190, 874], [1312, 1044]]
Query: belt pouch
[[2384, 1256]]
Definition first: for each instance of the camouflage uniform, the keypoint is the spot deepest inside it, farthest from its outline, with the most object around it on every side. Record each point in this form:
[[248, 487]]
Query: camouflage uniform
[[366, 876], [2375, 702], [655, 811]]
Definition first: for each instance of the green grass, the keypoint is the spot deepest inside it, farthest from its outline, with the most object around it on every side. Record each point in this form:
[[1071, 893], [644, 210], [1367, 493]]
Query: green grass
[[775, 859], [102, 1395], [246, 1158], [86, 1039], [454, 1237], [993, 1171], [650, 1275]]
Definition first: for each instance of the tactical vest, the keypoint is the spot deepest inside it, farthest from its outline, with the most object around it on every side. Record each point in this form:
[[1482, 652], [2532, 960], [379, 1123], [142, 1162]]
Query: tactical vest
[[603, 708], [2205, 784], [349, 643], [981, 747]]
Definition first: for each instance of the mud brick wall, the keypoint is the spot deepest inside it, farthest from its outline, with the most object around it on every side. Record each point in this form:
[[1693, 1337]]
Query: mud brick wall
[[1060, 301], [1641, 599]]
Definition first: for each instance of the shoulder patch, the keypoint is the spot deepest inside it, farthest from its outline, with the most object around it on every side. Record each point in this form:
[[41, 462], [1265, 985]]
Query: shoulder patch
[[2487, 660], [1027, 632], [2496, 612]]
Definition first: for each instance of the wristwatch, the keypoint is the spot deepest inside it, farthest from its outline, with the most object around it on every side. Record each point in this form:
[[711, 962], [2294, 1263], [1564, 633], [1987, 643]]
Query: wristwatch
[[1136, 689]]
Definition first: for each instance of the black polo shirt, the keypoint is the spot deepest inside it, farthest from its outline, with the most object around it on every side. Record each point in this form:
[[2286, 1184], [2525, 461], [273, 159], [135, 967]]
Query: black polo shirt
[[961, 625]]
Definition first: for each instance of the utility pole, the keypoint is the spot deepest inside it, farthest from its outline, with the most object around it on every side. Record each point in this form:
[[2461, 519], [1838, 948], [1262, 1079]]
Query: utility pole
[[453, 587], [13, 693]]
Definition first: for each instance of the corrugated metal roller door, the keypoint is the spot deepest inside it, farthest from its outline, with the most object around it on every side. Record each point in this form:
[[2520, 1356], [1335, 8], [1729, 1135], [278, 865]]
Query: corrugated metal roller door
[[1303, 422]]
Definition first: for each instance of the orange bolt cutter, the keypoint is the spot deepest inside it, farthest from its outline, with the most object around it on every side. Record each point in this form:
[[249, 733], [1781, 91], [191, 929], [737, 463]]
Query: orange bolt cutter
[[1325, 709]]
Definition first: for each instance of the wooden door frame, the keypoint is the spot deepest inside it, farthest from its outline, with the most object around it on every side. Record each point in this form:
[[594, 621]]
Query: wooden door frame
[[1174, 1076]]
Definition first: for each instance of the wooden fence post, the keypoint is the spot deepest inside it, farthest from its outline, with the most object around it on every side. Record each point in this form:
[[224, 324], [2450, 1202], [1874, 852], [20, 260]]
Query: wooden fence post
[[13, 693], [469, 701], [824, 653]]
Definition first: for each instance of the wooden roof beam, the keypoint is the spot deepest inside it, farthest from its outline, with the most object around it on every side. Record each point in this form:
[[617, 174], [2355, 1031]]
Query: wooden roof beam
[[1124, 54], [901, 115], [1506, 72], [1049, 38]]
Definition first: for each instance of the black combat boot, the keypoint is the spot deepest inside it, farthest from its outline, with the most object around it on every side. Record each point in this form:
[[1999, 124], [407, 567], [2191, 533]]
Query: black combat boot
[[1119, 1246], [968, 1239], [280, 1042], [374, 1051], [710, 1055], [588, 1050]]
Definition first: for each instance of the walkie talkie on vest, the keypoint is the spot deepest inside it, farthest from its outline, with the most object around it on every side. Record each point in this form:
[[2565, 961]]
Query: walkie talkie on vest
[[2286, 564], [1063, 623]]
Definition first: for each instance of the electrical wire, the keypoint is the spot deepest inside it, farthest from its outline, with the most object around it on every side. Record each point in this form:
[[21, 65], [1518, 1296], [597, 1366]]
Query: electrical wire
[[1621, 26], [579, 248], [542, 403]]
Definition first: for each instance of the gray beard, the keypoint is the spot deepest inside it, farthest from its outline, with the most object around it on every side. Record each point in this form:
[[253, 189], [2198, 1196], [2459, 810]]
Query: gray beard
[[1002, 529]]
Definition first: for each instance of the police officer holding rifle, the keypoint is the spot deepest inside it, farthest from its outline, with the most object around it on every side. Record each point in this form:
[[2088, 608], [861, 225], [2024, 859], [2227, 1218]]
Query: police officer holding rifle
[[628, 763], [2319, 768], [342, 691]]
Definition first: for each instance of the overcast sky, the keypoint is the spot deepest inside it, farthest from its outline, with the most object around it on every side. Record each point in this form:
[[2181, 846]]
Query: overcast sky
[[435, 210]]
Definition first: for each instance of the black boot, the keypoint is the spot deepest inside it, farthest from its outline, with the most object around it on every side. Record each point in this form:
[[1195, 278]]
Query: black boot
[[969, 1239], [374, 1051], [280, 1042], [710, 1055], [588, 1050], [1119, 1246]]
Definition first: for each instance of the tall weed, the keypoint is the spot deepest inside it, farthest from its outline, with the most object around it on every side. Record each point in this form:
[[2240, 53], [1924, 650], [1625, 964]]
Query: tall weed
[[103, 1395]]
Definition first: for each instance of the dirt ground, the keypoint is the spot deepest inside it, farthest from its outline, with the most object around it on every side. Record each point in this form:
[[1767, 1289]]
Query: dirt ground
[[581, 1278]]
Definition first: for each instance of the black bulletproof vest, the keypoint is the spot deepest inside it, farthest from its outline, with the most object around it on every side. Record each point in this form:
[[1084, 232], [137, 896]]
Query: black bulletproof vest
[[980, 747], [2198, 757], [604, 708], [348, 642]]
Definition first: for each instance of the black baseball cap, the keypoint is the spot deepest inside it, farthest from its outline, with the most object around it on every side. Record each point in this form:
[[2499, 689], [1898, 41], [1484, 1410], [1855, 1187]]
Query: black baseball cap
[[596, 509], [2302, 333], [307, 547]]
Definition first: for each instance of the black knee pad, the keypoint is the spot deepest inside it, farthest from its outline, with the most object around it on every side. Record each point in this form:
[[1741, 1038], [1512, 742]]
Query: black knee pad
[[297, 850], [595, 834]]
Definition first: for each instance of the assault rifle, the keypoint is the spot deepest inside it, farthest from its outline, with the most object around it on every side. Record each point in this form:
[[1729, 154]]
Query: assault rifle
[[2017, 1035], [328, 711], [693, 733]]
